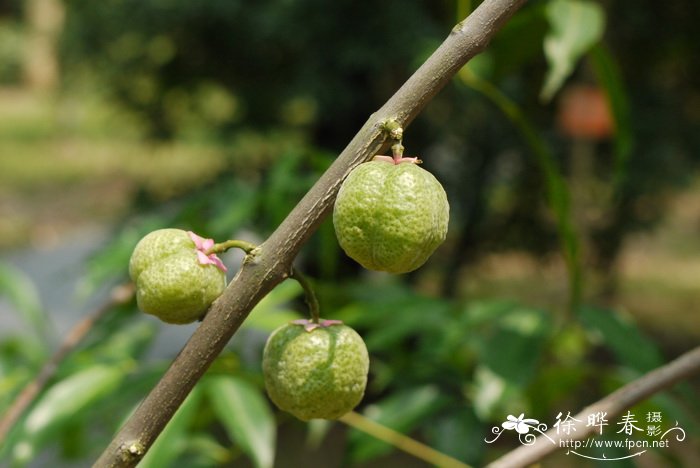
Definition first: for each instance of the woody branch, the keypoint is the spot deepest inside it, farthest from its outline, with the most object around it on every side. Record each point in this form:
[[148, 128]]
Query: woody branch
[[271, 264]]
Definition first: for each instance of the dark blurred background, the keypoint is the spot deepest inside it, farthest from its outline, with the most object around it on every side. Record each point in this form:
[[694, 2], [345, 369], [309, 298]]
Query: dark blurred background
[[575, 212]]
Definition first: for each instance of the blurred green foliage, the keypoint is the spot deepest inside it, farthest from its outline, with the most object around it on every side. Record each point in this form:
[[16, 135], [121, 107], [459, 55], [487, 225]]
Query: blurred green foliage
[[11, 43], [227, 70], [277, 88]]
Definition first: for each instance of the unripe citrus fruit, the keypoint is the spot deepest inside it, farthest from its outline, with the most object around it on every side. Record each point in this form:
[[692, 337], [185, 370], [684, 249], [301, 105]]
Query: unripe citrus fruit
[[390, 217], [171, 281], [317, 373]]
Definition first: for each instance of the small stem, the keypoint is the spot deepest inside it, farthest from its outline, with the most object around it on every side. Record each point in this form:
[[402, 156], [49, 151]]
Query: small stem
[[401, 441], [222, 247], [397, 156], [397, 151], [309, 294]]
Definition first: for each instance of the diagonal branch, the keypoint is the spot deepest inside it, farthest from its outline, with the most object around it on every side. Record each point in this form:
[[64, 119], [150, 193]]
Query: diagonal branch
[[663, 377], [271, 263], [401, 441]]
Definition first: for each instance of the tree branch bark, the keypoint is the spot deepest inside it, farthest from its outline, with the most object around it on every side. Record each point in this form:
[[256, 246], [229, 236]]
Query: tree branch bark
[[663, 377], [272, 262]]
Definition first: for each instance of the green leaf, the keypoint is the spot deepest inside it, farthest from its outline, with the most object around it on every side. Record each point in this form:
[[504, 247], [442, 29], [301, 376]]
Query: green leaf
[[621, 335], [451, 432], [21, 292], [609, 76], [270, 312], [63, 402], [11, 381], [20, 351], [402, 411], [575, 26], [390, 332], [282, 294], [229, 217], [554, 384], [131, 340], [246, 416], [375, 309], [513, 349], [508, 340], [72, 395], [173, 439], [493, 396], [486, 311], [206, 451]]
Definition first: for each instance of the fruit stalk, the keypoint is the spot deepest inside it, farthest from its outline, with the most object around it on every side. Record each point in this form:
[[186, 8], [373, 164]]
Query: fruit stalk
[[222, 247], [309, 294]]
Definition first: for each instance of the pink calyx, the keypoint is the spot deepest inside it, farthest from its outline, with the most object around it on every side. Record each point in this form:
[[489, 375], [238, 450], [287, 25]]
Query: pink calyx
[[310, 325], [399, 160], [201, 247]]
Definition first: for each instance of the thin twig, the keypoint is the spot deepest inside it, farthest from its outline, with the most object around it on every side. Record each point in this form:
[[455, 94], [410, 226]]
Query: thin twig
[[222, 247], [401, 441], [119, 295], [273, 259], [614, 404], [557, 192], [309, 294]]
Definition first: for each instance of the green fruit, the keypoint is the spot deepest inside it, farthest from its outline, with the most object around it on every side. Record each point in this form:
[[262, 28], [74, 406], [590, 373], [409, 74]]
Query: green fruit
[[171, 282], [390, 217], [320, 373]]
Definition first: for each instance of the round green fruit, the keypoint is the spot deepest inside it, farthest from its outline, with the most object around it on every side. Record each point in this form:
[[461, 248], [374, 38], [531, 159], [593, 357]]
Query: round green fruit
[[171, 282], [315, 371], [390, 217]]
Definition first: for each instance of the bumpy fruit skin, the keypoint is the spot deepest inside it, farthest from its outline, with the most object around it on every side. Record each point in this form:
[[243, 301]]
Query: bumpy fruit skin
[[170, 281], [317, 374], [390, 217]]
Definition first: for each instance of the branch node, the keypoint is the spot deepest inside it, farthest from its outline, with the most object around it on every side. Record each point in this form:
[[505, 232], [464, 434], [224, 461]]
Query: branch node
[[458, 27], [393, 128], [132, 451], [251, 256]]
